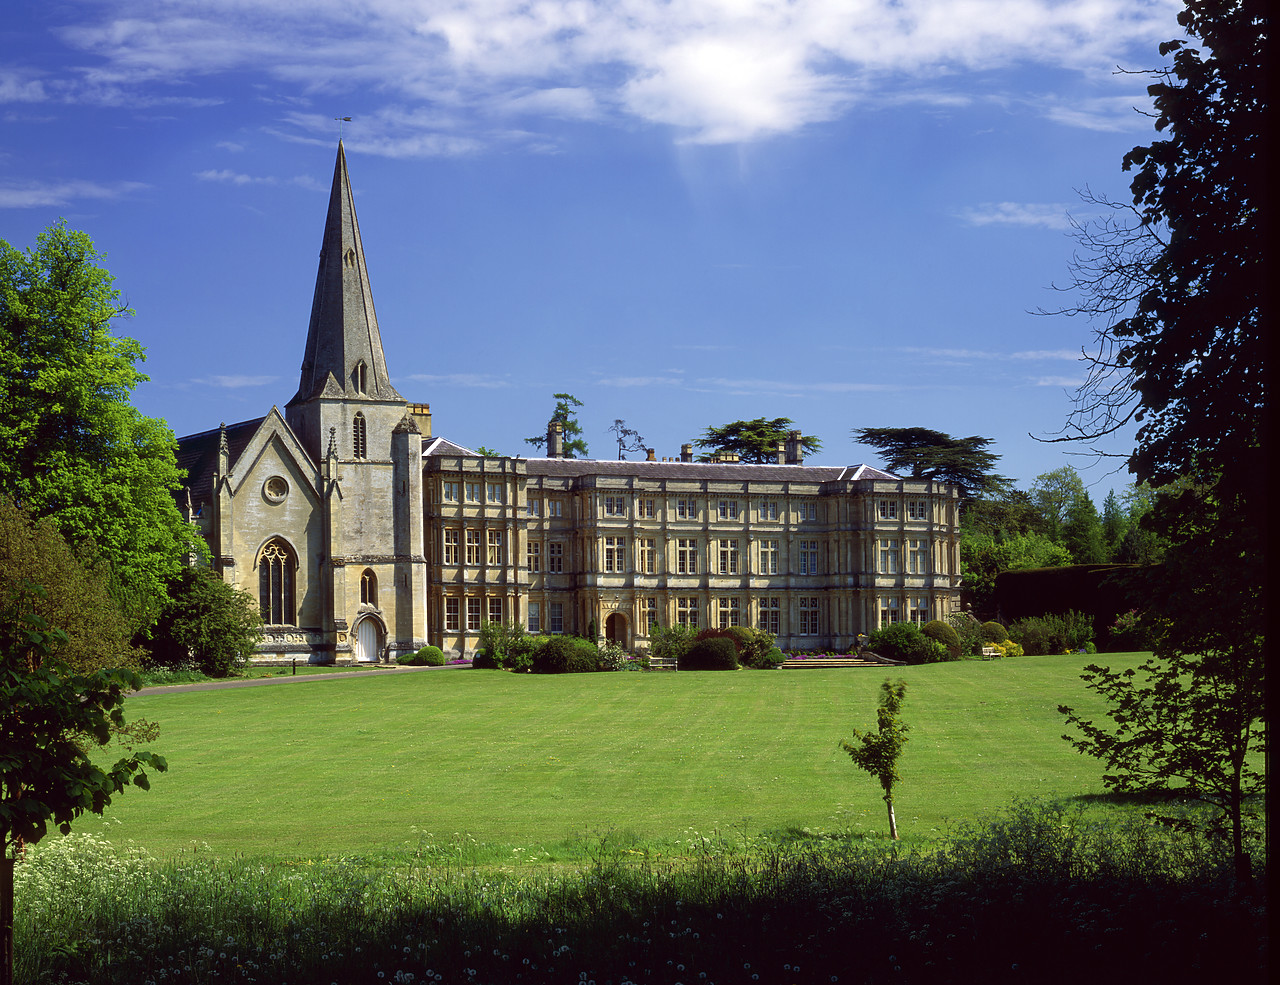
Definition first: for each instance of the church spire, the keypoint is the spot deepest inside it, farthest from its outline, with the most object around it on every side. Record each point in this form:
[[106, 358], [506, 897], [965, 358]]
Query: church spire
[[343, 341]]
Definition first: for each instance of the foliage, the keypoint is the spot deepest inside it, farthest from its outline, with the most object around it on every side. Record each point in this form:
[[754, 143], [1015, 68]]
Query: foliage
[[968, 630], [575, 446], [770, 661], [628, 439], [72, 447], [485, 452], [755, 441], [924, 454], [1000, 513], [484, 660], [613, 657], [904, 641], [209, 621], [1130, 631], [76, 595], [945, 634], [1007, 648], [1054, 493], [566, 655], [993, 632], [427, 656], [1053, 632], [1082, 533], [669, 644], [983, 558], [877, 752], [714, 653], [503, 642]]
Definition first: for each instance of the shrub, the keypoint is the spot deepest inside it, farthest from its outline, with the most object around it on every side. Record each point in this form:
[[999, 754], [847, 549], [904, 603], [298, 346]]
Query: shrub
[[993, 632], [484, 660], [969, 630], [752, 645], [502, 640], [904, 641], [1053, 633], [714, 653], [613, 657], [770, 661], [428, 656], [1130, 631], [519, 656], [671, 642], [1008, 648], [941, 632], [566, 655]]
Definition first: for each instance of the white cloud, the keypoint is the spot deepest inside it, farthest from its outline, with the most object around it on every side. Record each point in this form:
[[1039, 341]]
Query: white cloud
[[44, 194], [1048, 215], [987, 355], [232, 178], [15, 89], [462, 379], [716, 70], [229, 145], [236, 382], [1064, 381]]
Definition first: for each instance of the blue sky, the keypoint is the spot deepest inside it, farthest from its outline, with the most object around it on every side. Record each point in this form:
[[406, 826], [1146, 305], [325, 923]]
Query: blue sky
[[684, 212]]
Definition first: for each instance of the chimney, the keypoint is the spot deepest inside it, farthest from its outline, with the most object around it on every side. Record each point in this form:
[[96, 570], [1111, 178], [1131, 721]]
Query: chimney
[[421, 414], [649, 455], [686, 453], [795, 453], [555, 439], [780, 452]]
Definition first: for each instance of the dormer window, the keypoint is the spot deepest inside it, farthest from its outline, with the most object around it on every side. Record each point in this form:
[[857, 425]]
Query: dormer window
[[358, 437], [360, 378]]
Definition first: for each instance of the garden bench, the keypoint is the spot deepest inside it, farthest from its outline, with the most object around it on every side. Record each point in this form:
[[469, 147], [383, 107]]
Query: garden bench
[[990, 651], [662, 663]]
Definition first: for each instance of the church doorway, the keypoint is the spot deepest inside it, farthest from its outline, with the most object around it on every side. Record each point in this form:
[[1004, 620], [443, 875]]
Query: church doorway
[[615, 629], [367, 641]]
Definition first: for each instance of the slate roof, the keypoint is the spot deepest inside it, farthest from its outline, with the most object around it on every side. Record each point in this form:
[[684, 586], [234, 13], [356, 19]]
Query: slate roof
[[710, 471], [198, 454], [443, 446]]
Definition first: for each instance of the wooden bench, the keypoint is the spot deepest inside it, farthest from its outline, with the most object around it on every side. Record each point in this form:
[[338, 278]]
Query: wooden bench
[[662, 663], [990, 651]]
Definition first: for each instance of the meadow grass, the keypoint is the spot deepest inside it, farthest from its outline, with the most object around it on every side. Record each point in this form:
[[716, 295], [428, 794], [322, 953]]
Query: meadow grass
[[385, 761]]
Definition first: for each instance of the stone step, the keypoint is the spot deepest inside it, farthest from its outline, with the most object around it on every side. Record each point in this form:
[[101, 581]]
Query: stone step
[[816, 663]]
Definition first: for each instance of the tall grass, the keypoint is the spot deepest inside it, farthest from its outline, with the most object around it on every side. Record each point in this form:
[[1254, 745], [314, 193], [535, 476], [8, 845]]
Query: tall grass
[[1040, 893]]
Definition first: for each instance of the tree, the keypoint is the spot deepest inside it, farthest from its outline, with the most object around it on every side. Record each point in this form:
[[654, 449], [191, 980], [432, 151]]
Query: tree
[[209, 621], [1082, 532], [925, 454], [1002, 512], [983, 557], [1115, 523], [72, 447], [486, 452], [628, 440], [754, 442], [877, 752], [575, 446], [1176, 283], [50, 719], [1054, 493]]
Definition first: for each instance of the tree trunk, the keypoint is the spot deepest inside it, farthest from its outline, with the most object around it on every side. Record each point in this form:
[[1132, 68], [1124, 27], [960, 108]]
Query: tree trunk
[[893, 822]]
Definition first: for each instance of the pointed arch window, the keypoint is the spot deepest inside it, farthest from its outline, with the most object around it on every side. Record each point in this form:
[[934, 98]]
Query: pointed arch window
[[358, 437], [360, 377], [368, 588], [276, 568]]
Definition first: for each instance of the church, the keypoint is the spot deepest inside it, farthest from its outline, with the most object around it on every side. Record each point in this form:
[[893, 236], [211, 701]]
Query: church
[[364, 537]]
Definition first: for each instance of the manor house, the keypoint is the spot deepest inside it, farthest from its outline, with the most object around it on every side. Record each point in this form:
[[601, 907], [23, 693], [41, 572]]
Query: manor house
[[364, 537]]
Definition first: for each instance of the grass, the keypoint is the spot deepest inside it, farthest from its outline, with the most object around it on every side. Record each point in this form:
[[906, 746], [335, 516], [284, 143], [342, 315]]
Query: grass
[[385, 762]]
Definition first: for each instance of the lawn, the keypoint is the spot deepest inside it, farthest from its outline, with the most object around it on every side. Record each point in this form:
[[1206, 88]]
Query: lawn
[[380, 762]]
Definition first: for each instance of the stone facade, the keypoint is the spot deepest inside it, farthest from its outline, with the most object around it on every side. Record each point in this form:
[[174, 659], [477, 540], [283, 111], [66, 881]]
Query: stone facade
[[364, 537]]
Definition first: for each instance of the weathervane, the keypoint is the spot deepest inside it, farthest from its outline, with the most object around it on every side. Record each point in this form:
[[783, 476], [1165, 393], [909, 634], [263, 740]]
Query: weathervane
[[341, 120]]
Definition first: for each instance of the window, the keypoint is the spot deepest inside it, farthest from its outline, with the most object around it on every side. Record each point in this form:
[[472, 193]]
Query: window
[[473, 614], [473, 547], [555, 617], [807, 511], [888, 509], [644, 508], [728, 509], [768, 557], [360, 378], [687, 509], [888, 557], [533, 507], [276, 566], [533, 557], [553, 507], [535, 618], [808, 616], [450, 546], [687, 556], [728, 557], [493, 492], [451, 615], [646, 555], [449, 492], [687, 611], [918, 557], [473, 492], [368, 588], [650, 615], [919, 609], [615, 506], [555, 558], [495, 547], [495, 610], [769, 614], [730, 612], [360, 449], [808, 557], [917, 509], [889, 612], [769, 509], [615, 552]]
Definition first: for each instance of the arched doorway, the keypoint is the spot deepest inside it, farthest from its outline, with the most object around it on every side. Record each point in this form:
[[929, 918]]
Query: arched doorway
[[367, 648], [615, 629]]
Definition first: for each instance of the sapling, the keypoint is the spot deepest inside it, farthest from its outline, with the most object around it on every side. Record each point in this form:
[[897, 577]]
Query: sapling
[[877, 752]]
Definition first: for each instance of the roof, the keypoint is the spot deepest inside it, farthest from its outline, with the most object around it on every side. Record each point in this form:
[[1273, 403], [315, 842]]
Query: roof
[[443, 446], [198, 454], [710, 471]]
